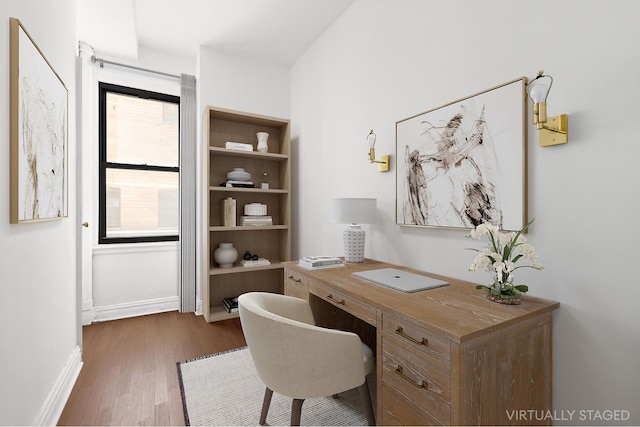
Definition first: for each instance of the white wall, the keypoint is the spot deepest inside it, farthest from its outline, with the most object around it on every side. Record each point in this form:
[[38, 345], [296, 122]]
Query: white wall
[[384, 61], [38, 304], [242, 84]]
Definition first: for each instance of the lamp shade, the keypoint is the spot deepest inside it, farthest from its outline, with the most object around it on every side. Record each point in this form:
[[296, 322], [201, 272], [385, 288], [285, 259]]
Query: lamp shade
[[371, 139], [539, 88], [354, 211]]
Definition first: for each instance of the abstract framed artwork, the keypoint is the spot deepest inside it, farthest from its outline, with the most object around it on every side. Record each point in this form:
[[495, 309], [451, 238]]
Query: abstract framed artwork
[[38, 133], [465, 163]]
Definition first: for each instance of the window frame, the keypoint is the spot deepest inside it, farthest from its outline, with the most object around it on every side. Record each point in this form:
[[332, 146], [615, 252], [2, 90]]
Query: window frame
[[103, 164]]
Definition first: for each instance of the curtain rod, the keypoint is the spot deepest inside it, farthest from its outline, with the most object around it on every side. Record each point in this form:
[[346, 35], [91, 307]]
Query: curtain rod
[[101, 62]]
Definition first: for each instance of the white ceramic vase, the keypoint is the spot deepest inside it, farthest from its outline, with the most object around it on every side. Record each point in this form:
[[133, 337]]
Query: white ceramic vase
[[239, 174], [263, 147], [225, 255]]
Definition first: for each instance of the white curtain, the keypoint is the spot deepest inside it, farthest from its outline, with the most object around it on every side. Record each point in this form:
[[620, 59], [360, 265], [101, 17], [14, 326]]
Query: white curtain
[[188, 136]]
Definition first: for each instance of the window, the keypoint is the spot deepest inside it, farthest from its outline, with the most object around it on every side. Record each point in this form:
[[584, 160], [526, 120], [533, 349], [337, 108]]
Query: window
[[139, 174]]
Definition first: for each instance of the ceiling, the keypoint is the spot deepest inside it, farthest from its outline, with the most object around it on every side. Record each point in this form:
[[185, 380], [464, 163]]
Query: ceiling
[[277, 31]]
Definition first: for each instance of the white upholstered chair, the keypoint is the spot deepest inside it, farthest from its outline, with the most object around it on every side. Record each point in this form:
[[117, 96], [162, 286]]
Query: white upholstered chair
[[297, 359]]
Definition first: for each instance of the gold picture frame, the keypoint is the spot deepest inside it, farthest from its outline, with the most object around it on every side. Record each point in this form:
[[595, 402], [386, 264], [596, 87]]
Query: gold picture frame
[[38, 133], [465, 163]]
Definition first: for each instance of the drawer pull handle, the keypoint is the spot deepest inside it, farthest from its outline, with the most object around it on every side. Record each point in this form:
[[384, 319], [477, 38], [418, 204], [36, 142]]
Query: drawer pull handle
[[423, 384], [295, 279], [424, 341], [330, 297]]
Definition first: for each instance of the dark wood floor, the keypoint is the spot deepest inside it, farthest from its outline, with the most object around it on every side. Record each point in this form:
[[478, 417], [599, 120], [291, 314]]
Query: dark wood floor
[[129, 375]]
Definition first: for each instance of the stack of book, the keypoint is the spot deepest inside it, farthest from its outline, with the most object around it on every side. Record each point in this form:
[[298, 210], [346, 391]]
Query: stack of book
[[231, 304], [255, 220], [243, 184], [254, 263], [229, 212], [238, 146], [314, 262]]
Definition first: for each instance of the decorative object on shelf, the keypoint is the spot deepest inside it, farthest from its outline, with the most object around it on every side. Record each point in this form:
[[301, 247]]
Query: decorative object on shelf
[[263, 146], [230, 145], [38, 133], [354, 212], [499, 257], [255, 220], [384, 161], [238, 177], [465, 163], [231, 304], [553, 130], [229, 212], [225, 255], [239, 174], [255, 209], [255, 261]]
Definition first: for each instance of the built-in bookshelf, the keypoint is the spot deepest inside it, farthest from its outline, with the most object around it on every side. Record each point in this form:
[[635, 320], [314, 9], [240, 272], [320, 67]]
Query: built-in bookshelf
[[270, 175]]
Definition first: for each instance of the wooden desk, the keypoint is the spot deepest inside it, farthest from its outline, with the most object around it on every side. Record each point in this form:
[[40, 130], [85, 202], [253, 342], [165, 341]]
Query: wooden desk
[[444, 356]]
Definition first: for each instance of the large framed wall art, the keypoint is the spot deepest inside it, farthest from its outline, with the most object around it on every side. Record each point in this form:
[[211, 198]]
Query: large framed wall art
[[38, 133], [465, 163]]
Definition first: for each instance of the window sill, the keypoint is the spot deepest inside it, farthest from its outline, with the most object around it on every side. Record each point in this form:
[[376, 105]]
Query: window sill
[[145, 247]]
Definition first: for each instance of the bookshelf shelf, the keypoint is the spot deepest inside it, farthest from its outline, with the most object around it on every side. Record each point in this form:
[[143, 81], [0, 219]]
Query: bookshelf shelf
[[249, 228]]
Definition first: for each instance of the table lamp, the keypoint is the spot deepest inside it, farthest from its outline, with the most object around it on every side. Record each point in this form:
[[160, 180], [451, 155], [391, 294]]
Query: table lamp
[[354, 212]]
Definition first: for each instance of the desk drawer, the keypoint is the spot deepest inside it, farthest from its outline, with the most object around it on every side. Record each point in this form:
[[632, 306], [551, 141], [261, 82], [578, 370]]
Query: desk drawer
[[416, 337], [296, 285], [397, 410], [424, 380], [361, 311]]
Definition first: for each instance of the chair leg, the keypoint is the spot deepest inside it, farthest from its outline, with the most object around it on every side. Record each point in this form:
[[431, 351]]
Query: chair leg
[[265, 405], [296, 411], [365, 396]]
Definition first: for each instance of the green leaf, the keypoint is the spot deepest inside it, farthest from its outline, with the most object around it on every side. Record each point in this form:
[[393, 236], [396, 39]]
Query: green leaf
[[486, 288], [522, 288]]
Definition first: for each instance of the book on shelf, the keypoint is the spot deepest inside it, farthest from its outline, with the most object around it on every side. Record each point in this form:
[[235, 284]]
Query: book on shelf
[[230, 304], [238, 146], [255, 220], [254, 263], [313, 262], [239, 184], [229, 212]]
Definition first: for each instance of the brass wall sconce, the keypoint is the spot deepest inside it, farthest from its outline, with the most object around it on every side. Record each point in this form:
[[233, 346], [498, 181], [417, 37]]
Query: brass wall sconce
[[383, 161], [553, 130]]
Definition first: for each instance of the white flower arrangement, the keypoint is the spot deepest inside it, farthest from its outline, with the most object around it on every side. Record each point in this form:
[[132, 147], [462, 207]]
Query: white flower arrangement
[[499, 257]]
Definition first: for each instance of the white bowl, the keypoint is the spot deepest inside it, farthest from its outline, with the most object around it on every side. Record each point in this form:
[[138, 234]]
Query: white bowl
[[239, 174], [255, 209]]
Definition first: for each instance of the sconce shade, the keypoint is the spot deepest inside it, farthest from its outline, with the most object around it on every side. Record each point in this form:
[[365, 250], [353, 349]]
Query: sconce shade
[[354, 211], [539, 88], [371, 139]]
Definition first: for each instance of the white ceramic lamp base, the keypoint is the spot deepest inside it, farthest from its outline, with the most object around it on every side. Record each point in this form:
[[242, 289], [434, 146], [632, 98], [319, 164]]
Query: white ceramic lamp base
[[354, 244]]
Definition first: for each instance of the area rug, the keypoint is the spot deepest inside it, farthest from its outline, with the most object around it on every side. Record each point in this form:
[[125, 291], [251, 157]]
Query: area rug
[[224, 390]]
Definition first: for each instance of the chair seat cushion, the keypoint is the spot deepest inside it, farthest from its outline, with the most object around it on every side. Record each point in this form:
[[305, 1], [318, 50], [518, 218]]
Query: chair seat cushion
[[368, 357]]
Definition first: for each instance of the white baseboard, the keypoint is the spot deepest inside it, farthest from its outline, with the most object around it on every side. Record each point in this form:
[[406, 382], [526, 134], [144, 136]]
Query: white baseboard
[[133, 309], [54, 404], [87, 312]]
